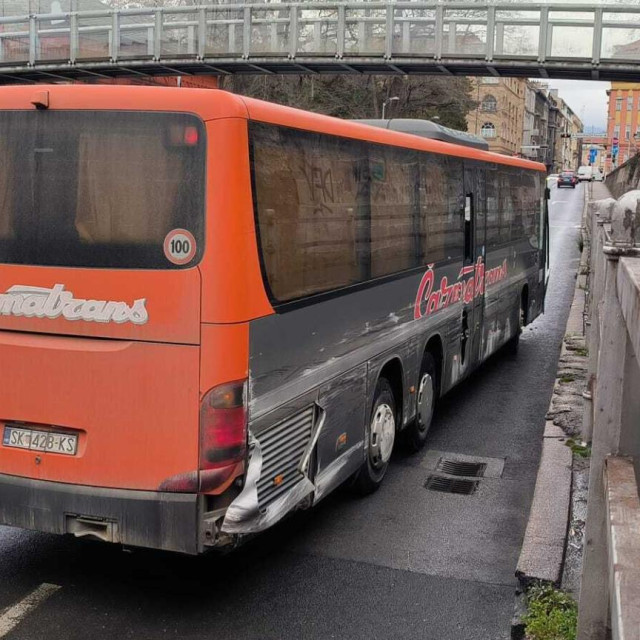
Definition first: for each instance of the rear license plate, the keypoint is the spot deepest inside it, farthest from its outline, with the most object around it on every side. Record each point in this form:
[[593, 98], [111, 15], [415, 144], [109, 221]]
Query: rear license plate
[[21, 438]]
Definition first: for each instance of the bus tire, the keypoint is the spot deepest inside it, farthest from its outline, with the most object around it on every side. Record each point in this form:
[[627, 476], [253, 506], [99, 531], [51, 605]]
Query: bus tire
[[514, 342], [415, 435], [380, 437]]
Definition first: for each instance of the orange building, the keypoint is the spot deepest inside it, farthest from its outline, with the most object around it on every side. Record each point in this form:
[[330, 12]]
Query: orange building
[[623, 122]]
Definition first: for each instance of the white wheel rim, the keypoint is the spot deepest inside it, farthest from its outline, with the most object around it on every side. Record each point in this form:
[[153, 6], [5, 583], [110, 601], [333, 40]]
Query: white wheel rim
[[425, 401], [383, 433]]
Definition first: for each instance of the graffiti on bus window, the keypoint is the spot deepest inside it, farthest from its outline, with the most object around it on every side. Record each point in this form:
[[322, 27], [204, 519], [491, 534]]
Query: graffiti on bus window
[[320, 184]]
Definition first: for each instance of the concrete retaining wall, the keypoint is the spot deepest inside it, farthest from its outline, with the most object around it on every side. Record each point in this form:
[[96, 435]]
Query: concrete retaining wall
[[625, 178]]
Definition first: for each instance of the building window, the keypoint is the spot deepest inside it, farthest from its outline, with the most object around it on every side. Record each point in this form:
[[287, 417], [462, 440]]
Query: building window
[[616, 131], [627, 132], [490, 80], [488, 130], [629, 103], [618, 104], [489, 103]]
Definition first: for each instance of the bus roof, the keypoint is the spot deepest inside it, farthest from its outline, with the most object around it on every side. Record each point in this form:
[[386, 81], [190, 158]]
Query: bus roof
[[212, 103], [428, 129], [298, 119]]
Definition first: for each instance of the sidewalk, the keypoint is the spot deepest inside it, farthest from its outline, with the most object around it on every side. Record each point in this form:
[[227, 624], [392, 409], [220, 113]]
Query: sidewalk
[[552, 547]]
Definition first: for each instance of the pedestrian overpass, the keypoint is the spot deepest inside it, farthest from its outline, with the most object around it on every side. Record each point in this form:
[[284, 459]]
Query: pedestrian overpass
[[83, 38]]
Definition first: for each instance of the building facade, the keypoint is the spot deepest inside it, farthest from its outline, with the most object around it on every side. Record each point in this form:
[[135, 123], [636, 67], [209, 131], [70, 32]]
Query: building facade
[[623, 122], [499, 116], [525, 118], [530, 150], [564, 125], [600, 145], [536, 136]]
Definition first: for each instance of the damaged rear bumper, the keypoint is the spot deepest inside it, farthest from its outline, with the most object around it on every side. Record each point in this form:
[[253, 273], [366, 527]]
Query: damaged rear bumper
[[151, 519]]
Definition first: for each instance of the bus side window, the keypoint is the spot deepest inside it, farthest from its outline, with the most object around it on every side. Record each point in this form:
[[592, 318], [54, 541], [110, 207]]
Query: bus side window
[[454, 238], [393, 205], [434, 209], [308, 200], [519, 191], [506, 205], [493, 210]]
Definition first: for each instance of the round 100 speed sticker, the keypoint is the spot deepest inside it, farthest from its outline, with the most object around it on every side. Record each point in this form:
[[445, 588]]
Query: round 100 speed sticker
[[180, 246]]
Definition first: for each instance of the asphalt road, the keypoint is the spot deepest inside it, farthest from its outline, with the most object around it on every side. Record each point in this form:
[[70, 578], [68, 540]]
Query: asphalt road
[[403, 563]]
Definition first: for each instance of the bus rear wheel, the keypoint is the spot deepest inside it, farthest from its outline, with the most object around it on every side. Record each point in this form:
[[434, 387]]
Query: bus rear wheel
[[381, 435], [514, 342], [415, 435]]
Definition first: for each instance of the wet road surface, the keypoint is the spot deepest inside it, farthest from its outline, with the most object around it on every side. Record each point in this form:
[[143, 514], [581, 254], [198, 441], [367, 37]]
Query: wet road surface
[[403, 563]]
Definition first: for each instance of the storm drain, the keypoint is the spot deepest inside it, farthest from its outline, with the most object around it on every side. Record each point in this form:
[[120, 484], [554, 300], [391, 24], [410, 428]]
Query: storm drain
[[451, 485], [460, 468]]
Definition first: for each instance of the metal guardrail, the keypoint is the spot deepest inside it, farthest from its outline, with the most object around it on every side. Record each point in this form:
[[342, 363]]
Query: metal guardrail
[[485, 38], [610, 590]]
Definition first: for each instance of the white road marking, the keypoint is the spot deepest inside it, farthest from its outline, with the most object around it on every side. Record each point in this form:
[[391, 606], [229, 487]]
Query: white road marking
[[14, 615]]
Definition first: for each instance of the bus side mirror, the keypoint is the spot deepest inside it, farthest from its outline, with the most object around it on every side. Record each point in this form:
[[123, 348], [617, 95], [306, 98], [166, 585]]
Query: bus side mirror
[[547, 193]]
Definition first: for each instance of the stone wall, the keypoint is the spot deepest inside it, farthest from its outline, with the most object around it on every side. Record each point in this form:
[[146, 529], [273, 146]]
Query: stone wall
[[625, 178]]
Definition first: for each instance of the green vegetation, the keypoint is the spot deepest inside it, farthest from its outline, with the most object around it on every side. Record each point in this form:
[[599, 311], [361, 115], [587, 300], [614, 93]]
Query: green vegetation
[[581, 449], [582, 352], [552, 614], [567, 377]]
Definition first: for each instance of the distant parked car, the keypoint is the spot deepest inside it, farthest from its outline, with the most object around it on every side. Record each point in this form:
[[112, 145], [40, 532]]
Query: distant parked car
[[598, 175], [552, 180], [567, 179], [585, 174]]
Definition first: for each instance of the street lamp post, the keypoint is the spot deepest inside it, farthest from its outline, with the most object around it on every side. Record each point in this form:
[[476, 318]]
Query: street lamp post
[[386, 102]]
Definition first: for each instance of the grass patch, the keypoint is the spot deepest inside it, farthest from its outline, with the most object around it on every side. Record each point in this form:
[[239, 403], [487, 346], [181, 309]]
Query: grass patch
[[581, 449], [567, 377], [552, 614], [582, 352]]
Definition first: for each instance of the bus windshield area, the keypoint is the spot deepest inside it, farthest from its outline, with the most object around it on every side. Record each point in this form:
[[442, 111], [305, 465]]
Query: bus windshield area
[[99, 188]]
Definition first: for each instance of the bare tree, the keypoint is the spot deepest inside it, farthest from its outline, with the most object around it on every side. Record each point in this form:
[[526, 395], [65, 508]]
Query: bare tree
[[357, 96]]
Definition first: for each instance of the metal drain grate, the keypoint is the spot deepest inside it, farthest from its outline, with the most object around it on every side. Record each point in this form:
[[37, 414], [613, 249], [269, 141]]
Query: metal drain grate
[[459, 468], [451, 485]]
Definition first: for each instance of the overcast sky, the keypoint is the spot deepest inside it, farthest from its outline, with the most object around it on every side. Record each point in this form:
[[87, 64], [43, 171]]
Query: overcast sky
[[587, 99]]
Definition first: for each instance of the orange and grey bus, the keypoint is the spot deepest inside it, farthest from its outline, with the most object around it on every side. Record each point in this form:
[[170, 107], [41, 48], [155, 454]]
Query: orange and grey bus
[[216, 310]]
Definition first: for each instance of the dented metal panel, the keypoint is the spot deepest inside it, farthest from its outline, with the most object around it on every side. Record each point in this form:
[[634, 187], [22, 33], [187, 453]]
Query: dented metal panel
[[245, 515], [283, 449]]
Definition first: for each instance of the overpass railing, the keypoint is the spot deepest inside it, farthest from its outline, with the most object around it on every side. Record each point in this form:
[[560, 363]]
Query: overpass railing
[[295, 33], [610, 590]]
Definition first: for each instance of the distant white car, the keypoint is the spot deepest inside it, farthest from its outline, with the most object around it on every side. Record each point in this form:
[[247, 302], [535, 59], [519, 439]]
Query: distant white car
[[585, 174], [552, 180], [598, 176]]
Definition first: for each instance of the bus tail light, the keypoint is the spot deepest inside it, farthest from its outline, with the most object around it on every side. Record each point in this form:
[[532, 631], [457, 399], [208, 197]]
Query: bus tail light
[[223, 431]]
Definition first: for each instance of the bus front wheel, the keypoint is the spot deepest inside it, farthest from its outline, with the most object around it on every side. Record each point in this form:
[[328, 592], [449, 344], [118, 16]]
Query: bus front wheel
[[380, 436]]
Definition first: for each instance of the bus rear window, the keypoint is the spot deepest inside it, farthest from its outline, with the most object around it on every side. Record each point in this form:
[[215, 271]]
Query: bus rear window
[[101, 189]]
